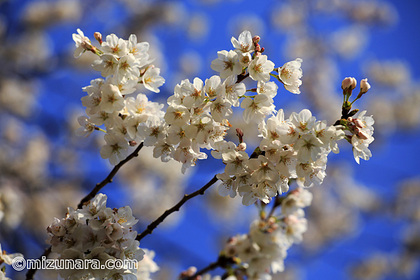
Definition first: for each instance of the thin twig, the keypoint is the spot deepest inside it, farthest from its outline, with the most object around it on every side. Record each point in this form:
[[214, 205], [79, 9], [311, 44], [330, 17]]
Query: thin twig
[[30, 274], [110, 176], [175, 208], [208, 268]]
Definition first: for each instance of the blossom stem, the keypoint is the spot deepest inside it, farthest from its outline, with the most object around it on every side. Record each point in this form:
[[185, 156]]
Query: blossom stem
[[175, 208], [100, 129]]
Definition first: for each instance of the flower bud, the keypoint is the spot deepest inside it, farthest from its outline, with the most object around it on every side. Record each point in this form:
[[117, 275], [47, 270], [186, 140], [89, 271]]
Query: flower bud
[[256, 39], [364, 86], [349, 83], [98, 37], [241, 147]]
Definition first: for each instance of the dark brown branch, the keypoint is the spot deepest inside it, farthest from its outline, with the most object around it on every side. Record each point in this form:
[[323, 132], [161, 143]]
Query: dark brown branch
[[222, 261], [208, 268], [31, 272], [175, 208], [110, 176]]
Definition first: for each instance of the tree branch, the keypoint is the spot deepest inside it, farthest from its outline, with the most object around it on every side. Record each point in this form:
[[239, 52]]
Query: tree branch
[[110, 176], [175, 208], [30, 274]]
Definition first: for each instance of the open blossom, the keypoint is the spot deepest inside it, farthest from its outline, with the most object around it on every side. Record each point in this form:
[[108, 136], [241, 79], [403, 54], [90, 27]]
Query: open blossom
[[244, 43], [260, 68], [290, 74], [116, 148], [361, 127], [227, 64], [111, 100], [80, 40], [86, 126], [152, 79]]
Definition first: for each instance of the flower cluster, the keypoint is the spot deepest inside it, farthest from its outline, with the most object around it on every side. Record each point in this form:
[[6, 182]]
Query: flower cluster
[[262, 251], [198, 113], [293, 148], [96, 232], [114, 101]]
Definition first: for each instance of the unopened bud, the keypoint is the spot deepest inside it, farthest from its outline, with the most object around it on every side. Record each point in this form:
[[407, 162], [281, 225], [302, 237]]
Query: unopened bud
[[364, 86], [256, 39], [349, 83], [241, 147], [98, 37], [257, 48]]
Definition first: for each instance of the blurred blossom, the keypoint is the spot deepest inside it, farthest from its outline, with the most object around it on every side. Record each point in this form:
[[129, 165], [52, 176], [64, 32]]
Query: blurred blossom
[[190, 63], [349, 42], [371, 12], [33, 52], [17, 96], [40, 14], [392, 73], [375, 267], [153, 186], [288, 16], [406, 204], [46, 204], [198, 27], [12, 202], [251, 22]]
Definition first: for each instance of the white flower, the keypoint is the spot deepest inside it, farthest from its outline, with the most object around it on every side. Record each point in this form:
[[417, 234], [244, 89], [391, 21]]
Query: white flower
[[139, 50], [112, 100], [146, 266], [290, 74], [152, 79], [93, 99], [308, 148], [260, 68], [227, 64], [107, 64], [361, 127], [177, 115], [232, 90], [163, 150], [212, 85], [220, 109], [116, 148], [244, 43], [227, 187], [87, 127], [114, 45], [81, 40], [151, 132], [269, 89], [128, 67], [235, 162], [257, 108], [304, 121], [193, 92]]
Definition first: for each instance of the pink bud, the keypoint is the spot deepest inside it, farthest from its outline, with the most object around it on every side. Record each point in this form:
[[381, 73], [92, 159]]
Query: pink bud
[[364, 86], [349, 83], [98, 37]]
